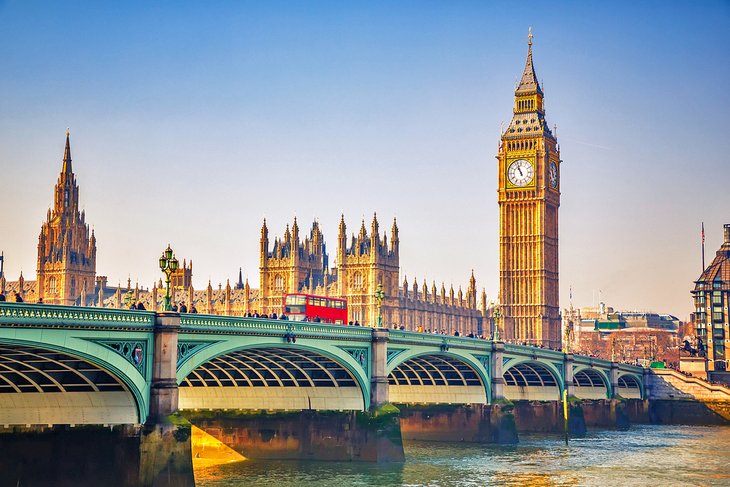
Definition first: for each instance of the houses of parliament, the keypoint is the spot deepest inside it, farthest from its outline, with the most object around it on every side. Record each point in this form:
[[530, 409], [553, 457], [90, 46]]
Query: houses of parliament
[[528, 173]]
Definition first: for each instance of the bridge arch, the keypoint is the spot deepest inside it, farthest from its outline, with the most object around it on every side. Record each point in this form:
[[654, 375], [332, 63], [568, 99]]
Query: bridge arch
[[630, 386], [273, 375], [591, 383], [532, 380], [438, 377], [80, 383]]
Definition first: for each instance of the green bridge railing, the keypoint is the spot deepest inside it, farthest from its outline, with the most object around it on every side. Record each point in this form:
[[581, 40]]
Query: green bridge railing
[[55, 316], [232, 324], [24, 314]]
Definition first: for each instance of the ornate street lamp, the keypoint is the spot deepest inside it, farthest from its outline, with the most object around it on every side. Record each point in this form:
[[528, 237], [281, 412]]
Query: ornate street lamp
[[168, 265], [379, 295]]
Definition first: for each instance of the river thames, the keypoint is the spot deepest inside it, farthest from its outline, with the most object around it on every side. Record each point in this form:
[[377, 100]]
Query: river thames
[[644, 455]]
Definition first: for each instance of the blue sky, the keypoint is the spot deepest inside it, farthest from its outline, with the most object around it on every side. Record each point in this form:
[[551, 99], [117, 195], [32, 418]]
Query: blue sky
[[191, 122]]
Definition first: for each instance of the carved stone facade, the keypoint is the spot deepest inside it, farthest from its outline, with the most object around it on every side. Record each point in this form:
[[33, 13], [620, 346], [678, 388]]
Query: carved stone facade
[[292, 266], [529, 198], [66, 251], [182, 278], [367, 261]]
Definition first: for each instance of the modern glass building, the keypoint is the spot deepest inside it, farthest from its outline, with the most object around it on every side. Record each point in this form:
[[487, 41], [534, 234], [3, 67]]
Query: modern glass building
[[711, 296]]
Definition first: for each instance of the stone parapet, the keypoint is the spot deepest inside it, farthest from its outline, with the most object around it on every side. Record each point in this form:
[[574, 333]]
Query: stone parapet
[[672, 385]]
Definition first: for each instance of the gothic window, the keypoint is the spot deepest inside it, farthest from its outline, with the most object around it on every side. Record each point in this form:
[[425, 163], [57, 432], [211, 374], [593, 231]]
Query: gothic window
[[279, 283], [73, 286], [357, 281], [52, 286]]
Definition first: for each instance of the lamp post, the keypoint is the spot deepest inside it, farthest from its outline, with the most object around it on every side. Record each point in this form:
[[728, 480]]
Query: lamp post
[[497, 316], [613, 349], [379, 295], [168, 265]]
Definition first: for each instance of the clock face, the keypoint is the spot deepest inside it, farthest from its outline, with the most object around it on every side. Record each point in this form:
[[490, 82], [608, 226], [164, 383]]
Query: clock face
[[553, 175], [520, 172]]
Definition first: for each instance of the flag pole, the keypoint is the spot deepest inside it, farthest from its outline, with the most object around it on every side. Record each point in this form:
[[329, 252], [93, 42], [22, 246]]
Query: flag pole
[[703, 246]]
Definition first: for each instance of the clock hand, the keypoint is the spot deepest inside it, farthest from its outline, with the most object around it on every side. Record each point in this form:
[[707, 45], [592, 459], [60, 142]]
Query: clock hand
[[519, 169]]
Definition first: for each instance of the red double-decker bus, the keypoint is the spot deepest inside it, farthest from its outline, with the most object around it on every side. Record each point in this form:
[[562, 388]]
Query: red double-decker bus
[[306, 307]]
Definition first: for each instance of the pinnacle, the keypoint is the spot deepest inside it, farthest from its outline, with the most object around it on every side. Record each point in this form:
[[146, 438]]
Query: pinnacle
[[67, 169], [529, 83]]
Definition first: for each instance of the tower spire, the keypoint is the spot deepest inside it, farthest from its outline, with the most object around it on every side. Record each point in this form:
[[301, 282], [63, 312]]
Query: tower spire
[[67, 169], [529, 83]]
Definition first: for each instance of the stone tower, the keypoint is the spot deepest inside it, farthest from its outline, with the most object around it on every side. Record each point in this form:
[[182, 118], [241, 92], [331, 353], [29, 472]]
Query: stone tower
[[361, 267], [529, 198], [291, 266], [66, 251]]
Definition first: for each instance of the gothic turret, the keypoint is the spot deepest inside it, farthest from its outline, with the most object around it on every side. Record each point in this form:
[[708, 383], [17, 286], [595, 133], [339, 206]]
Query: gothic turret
[[239, 284], [66, 264], [295, 240], [342, 240], [394, 240], [471, 294]]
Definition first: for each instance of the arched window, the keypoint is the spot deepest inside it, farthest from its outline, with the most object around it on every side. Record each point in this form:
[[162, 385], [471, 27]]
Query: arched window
[[52, 285], [279, 282], [357, 280]]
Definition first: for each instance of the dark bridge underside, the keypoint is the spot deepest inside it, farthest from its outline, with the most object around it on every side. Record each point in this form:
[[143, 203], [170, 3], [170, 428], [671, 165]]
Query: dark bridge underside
[[628, 387], [530, 381], [436, 379], [271, 378], [39, 386], [30, 369], [589, 384]]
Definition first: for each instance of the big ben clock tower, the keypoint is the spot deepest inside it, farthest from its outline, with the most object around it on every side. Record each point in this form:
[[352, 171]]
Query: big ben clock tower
[[529, 198]]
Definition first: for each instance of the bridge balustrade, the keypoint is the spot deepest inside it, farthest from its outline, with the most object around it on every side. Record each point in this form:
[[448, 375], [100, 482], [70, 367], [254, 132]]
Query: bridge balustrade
[[157, 362]]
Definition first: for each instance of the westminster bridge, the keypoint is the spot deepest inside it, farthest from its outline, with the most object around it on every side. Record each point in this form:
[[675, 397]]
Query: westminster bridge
[[76, 365], [272, 388]]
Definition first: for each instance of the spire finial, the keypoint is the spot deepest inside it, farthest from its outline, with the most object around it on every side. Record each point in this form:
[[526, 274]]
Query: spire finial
[[68, 131], [528, 84], [67, 155]]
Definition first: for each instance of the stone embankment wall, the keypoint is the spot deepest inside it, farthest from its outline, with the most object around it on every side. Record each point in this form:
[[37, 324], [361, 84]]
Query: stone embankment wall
[[675, 398], [670, 384]]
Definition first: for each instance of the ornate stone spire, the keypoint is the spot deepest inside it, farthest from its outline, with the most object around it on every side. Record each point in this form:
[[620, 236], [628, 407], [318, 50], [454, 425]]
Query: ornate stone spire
[[295, 232], [67, 169], [529, 83], [239, 285], [343, 227]]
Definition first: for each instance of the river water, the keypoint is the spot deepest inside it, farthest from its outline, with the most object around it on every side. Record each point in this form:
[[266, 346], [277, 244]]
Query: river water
[[643, 455]]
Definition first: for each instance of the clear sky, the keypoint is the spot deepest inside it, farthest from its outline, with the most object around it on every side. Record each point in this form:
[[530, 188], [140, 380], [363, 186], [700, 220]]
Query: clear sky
[[191, 122]]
